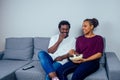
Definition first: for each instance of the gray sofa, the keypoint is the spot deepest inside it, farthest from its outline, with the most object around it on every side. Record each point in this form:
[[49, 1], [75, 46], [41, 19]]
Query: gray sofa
[[20, 53]]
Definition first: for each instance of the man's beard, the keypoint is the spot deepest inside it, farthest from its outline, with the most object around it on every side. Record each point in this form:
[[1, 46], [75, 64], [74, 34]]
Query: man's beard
[[65, 34]]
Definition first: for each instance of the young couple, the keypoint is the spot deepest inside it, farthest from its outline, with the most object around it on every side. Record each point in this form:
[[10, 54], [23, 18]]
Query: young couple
[[56, 61]]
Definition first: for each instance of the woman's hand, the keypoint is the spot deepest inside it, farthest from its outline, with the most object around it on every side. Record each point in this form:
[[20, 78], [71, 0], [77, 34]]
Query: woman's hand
[[79, 61], [71, 52]]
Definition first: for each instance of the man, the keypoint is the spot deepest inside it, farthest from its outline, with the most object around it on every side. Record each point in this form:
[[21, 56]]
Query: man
[[58, 49]]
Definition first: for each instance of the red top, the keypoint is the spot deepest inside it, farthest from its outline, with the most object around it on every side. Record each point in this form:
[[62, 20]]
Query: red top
[[89, 46]]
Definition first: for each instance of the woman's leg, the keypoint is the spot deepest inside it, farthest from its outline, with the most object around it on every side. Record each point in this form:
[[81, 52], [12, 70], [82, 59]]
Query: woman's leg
[[85, 69], [64, 70]]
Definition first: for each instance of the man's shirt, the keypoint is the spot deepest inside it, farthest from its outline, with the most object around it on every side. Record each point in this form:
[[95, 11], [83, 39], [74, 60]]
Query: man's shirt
[[64, 47]]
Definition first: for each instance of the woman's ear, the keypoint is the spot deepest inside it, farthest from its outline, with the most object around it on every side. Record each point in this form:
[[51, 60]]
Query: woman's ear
[[92, 27]]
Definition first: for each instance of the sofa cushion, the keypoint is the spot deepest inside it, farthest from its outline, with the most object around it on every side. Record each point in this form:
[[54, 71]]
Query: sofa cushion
[[112, 66], [1, 54], [102, 60], [40, 43], [18, 54], [18, 48], [8, 67], [36, 73]]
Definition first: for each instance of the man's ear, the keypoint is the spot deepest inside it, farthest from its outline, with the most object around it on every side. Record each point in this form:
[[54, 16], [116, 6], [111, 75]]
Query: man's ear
[[59, 30]]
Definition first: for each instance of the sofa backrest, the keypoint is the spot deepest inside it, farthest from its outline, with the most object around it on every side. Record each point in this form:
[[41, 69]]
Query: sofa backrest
[[28, 48], [18, 48], [102, 60], [40, 43]]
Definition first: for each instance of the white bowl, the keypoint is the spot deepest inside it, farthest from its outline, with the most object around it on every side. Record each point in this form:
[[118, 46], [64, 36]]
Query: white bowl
[[76, 57]]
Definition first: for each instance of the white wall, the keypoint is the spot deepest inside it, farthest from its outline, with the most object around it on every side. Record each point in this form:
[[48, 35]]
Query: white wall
[[33, 18]]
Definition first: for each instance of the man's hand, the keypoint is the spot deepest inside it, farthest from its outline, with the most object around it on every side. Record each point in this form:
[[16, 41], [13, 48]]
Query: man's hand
[[61, 36], [53, 48], [59, 58]]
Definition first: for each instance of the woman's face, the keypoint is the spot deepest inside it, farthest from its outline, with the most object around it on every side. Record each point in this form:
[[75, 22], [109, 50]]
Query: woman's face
[[87, 28]]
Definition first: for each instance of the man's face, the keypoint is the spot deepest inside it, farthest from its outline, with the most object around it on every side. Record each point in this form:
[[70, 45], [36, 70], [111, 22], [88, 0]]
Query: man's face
[[64, 30]]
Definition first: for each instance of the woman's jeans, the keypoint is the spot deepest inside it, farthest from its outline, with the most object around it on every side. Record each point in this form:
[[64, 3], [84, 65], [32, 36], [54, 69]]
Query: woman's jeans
[[47, 63], [80, 71]]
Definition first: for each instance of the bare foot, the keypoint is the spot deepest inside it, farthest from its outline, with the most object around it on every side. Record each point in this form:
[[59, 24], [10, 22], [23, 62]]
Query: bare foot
[[52, 75]]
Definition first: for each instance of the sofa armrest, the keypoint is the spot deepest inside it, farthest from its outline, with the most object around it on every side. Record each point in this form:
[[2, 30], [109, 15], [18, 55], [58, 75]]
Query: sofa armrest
[[1, 54], [112, 66]]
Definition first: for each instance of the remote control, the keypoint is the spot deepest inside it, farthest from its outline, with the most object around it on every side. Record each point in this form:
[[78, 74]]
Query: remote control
[[28, 67]]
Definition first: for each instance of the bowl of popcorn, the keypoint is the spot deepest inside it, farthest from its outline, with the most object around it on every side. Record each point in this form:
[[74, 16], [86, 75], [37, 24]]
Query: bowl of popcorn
[[76, 57]]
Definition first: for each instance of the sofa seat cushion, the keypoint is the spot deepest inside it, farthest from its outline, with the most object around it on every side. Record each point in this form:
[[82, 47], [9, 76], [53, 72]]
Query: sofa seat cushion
[[18, 48], [40, 43], [35, 73], [8, 67], [100, 74], [102, 59]]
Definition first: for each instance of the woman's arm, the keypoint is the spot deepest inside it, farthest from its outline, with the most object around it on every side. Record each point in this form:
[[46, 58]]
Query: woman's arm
[[93, 57]]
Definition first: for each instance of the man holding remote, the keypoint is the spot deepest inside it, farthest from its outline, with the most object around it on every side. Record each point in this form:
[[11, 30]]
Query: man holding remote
[[58, 49]]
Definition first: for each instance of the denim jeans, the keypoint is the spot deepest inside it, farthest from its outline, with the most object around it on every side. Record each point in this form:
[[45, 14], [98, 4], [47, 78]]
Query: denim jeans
[[48, 64], [80, 71]]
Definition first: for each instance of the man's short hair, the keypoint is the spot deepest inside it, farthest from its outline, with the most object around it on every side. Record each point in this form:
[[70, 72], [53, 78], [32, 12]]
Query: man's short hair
[[64, 22]]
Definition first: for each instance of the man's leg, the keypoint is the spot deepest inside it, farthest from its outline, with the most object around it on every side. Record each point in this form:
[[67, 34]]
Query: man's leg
[[47, 63], [55, 65], [47, 77]]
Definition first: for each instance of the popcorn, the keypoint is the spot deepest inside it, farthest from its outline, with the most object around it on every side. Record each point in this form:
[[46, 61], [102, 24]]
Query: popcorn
[[76, 57]]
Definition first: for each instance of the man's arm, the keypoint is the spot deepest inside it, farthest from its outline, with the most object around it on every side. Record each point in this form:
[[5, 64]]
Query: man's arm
[[53, 48], [67, 55], [60, 58]]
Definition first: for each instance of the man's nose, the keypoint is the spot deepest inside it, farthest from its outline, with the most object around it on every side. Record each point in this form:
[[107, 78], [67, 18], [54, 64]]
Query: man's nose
[[65, 30]]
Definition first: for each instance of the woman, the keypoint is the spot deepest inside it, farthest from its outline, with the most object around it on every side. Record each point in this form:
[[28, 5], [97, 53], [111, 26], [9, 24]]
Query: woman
[[91, 47]]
